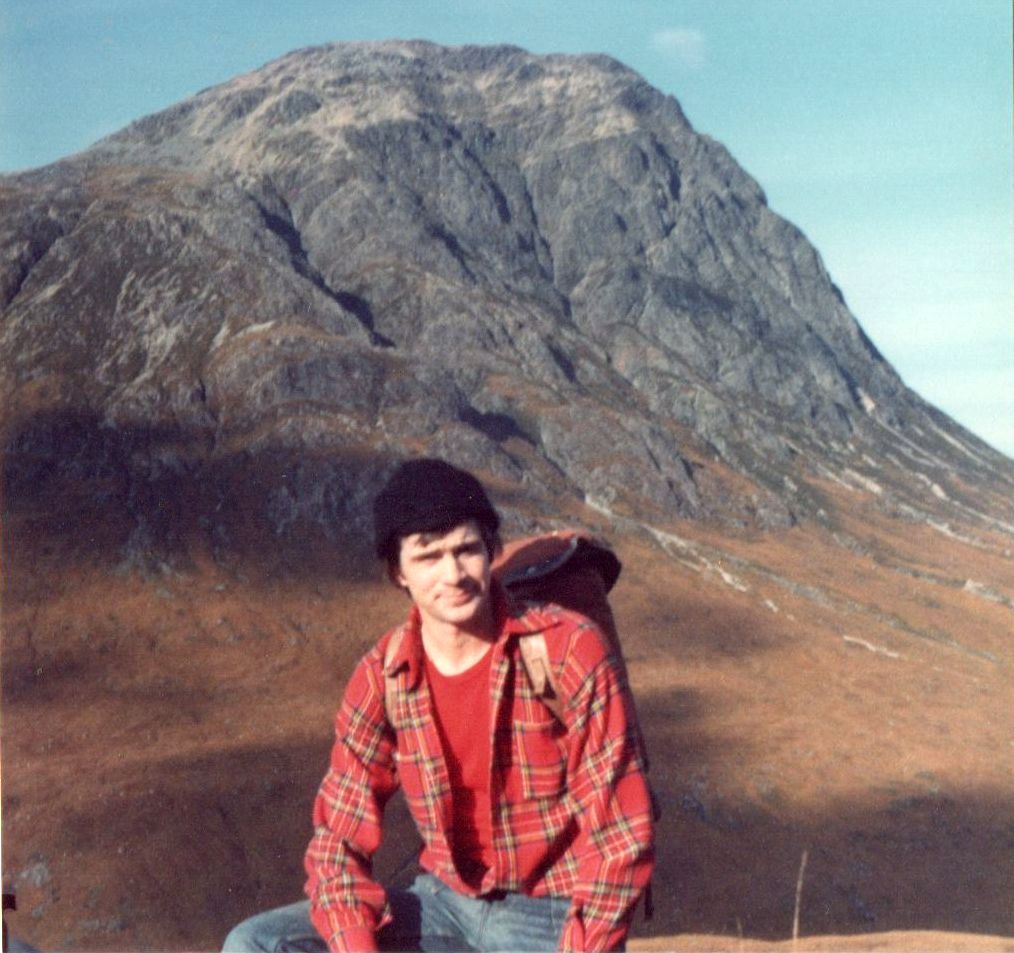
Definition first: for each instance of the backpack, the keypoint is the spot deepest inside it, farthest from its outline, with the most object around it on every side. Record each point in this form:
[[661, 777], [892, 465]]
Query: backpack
[[575, 570]]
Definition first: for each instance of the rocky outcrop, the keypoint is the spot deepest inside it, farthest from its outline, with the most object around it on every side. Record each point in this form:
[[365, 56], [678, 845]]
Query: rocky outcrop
[[530, 264]]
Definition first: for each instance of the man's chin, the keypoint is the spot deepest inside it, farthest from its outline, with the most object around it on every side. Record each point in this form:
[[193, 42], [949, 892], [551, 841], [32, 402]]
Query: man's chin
[[465, 611]]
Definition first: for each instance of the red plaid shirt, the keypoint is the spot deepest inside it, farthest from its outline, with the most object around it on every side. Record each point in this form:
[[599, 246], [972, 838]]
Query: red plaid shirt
[[570, 807]]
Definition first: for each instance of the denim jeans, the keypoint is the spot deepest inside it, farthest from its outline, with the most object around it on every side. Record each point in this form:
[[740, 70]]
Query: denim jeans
[[428, 916]]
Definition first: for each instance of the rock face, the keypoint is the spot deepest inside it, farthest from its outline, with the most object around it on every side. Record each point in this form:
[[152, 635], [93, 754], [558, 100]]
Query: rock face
[[532, 265], [222, 324]]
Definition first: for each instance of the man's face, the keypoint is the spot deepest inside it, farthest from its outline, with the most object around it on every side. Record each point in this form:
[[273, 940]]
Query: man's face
[[447, 576]]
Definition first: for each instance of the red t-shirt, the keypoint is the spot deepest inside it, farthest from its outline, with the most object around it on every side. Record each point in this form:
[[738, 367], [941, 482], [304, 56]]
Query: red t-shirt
[[461, 708]]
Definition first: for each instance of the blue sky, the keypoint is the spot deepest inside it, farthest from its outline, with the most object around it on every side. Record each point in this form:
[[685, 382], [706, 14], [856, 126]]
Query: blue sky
[[882, 128]]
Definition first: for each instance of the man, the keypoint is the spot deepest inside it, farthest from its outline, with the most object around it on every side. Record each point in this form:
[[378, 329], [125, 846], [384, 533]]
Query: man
[[536, 835]]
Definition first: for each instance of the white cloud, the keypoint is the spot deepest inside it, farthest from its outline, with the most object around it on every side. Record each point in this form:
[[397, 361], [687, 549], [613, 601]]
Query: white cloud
[[685, 44]]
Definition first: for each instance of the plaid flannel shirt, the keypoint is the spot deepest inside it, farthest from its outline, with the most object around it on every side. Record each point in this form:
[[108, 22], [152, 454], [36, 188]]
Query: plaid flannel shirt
[[570, 807]]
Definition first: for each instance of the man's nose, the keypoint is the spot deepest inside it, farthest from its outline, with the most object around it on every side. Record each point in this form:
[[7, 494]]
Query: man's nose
[[454, 568]]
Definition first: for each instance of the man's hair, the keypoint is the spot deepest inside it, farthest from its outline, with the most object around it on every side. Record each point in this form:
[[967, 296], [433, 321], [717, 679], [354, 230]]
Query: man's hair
[[430, 496]]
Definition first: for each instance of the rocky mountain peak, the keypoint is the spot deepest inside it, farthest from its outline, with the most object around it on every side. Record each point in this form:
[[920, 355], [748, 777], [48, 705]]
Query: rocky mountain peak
[[530, 264]]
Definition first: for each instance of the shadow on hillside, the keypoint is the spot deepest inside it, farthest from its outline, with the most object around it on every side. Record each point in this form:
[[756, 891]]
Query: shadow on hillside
[[153, 499], [933, 863], [179, 849], [156, 501], [729, 859]]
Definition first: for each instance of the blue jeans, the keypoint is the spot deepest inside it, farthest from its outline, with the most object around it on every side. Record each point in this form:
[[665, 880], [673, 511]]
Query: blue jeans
[[427, 916]]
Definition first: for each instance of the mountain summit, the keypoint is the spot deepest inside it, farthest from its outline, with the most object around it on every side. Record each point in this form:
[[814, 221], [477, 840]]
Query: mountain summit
[[530, 264]]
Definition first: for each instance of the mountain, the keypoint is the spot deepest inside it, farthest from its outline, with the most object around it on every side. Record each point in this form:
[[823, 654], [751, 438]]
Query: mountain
[[220, 327], [531, 264]]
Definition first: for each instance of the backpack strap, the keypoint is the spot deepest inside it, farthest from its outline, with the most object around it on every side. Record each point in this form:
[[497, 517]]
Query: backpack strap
[[535, 658], [390, 686]]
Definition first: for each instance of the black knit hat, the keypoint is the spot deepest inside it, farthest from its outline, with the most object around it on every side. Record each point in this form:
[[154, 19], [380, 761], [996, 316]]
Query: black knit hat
[[425, 496]]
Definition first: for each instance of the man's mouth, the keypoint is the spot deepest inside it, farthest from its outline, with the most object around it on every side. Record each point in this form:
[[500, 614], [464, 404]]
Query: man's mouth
[[460, 596]]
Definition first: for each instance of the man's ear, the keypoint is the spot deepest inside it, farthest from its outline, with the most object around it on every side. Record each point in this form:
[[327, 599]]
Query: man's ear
[[394, 575]]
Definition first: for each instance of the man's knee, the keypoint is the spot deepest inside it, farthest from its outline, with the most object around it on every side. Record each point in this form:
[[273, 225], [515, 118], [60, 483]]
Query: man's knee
[[241, 939], [285, 928], [247, 937]]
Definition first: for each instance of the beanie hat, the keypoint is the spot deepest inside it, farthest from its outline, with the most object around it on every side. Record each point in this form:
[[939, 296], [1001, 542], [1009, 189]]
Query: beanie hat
[[424, 496]]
